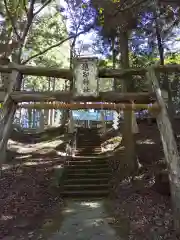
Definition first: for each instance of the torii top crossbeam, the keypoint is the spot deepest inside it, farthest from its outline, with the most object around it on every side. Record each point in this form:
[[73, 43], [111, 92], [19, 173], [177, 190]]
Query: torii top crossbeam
[[68, 74]]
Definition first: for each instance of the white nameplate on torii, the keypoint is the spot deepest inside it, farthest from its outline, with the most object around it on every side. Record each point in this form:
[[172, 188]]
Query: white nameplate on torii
[[86, 82]]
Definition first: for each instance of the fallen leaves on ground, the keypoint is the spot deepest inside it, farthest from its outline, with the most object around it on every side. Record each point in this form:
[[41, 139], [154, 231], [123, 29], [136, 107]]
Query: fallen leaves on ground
[[28, 196], [141, 212]]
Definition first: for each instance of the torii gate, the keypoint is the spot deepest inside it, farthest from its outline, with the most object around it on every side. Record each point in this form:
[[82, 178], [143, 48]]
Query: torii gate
[[88, 94]]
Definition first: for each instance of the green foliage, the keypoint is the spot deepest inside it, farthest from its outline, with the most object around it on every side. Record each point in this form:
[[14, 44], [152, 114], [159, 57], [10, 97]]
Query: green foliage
[[16, 8], [105, 63], [13, 12], [101, 16], [84, 6], [172, 58], [48, 30]]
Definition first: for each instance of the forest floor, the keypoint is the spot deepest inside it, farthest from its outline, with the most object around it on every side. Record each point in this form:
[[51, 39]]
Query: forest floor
[[28, 185], [30, 199], [140, 211]]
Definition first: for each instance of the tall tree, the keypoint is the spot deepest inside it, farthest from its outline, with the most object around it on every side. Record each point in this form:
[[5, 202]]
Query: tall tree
[[118, 19]]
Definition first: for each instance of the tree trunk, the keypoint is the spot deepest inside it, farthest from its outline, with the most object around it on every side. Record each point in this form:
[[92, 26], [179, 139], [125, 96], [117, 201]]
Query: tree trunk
[[114, 61], [9, 110], [34, 114], [166, 85], [29, 118], [46, 117], [52, 111], [66, 113], [46, 111], [128, 136], [64, 117], [170, 149], [41, 120]]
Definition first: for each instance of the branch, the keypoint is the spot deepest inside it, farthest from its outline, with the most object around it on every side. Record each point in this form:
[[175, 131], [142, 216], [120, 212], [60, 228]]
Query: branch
[[169, 29], [134, 4], [42, 7], [28, 25], [56, 45], [77, 29], [11, 20], [29, 19], [25, 8]]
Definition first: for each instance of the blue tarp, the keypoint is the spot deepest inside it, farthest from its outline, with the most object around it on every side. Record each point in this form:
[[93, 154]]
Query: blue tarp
[[94, 116], [77, 115]]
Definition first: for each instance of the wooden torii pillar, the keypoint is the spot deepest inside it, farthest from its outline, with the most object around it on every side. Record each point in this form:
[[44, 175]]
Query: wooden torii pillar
[[4, 77], [8, 111], [170, 147]]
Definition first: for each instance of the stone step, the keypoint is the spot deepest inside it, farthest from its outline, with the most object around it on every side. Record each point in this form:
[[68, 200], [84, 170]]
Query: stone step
[[95, 160], [75, 175], [81, 194], [86, 171], [87, 162], [91, 132], [81, 187], [88, 147], [88, 144], [88, 136], [91, 143], [94, 155], [89, 166], [91, 155], [98, 158], [87, 152], [87, 181], [79, 154]]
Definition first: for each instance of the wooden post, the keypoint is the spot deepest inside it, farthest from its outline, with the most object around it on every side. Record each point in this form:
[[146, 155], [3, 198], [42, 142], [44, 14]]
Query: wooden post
[[170, 148], [135, 128], [5, 79], [103, 122], [128, 139], [41, 120], [71, 123], [58, 118], [9, 110], [30, 118]]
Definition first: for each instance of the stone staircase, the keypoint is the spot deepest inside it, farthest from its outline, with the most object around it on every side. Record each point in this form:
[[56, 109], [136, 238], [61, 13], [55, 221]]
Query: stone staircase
[[87, 174], [88, 142]]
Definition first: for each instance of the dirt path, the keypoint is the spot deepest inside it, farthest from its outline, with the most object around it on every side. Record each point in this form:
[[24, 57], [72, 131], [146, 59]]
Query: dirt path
[[85, 220]]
